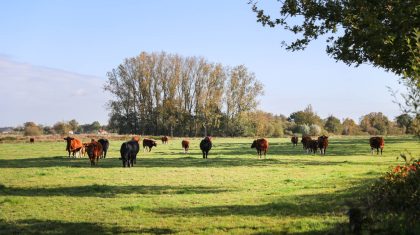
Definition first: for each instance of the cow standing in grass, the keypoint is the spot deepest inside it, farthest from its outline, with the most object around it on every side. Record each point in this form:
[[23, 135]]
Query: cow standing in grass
[[295, 140], [185, 145], [262, 146], [94, 151], [148, 144], [377, 143], [322, 144], [205, 146], [312, 146], [105, 146], [73, 145], [164, 139], [305, 142], [31, 140], [129, 151]]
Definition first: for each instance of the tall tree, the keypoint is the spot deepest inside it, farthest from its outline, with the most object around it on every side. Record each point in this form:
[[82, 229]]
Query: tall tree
[[307, 116], [333, 125]]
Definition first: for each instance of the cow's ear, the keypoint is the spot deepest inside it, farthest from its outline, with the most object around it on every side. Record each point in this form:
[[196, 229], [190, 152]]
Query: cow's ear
[[65, 138]]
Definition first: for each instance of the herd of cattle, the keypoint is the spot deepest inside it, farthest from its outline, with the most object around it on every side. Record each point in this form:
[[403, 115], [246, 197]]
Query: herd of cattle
[[130, 149]]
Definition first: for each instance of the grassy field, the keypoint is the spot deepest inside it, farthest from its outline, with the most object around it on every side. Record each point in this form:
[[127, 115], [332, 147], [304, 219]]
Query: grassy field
[[44, 192]]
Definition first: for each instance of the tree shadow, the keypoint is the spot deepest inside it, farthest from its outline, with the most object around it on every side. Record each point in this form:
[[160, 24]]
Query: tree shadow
[[151, 162], [35, 226], [107, 191], [294, 206]]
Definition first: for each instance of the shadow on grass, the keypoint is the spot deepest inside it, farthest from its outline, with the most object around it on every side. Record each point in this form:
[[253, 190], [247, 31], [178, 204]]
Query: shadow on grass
[[294, 206], [34, 226], [106, 191], [151, 162]]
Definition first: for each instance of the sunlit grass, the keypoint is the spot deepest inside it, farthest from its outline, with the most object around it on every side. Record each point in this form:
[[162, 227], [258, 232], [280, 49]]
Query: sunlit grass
[[42, 191]]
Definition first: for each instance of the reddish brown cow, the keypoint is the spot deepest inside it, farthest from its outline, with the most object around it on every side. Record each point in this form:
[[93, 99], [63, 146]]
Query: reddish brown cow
[[261, 145], [165, 139], [31, 140], [94, 151], [73, 145], [185, 145], [295, 140], [148, 144], [305, 142], [377, 143], [323, 144]]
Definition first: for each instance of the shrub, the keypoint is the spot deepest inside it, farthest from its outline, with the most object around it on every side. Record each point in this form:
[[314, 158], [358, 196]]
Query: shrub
[[315, 130], [394, 199], [304, 129]]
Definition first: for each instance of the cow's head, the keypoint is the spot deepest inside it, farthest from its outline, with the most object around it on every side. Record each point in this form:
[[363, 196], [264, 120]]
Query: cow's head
[[254, 144], [68, 139]]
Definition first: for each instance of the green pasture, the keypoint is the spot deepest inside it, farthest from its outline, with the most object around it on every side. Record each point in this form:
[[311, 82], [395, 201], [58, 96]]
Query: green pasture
[[169, 192]]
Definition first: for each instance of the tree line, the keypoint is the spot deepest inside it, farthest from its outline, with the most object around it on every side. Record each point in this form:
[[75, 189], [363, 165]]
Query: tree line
[[259, 123]]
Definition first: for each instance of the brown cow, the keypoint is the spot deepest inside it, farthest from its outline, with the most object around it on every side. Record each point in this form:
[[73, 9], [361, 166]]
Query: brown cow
[[185, 145], [261, 145], [295, 140], [377, 143], [94, 151], [305, 142], [323, 144], [148, 144], [31, 140], [165, 139], [73, 145]]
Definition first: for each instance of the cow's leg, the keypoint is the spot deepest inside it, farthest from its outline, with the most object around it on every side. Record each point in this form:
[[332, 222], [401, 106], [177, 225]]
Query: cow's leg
[[381, 151], [371, 151]]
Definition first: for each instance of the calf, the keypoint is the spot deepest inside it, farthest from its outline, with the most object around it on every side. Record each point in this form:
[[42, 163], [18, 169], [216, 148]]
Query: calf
[[83, 150], [165, 139], [295, 140], [323, 144], [377, 143], [129, 151], [305, 142], [148, 144], [185, 145], [261, 145], [205, 146], [73, 145], [94, 151], [312, 146], [105, 146]]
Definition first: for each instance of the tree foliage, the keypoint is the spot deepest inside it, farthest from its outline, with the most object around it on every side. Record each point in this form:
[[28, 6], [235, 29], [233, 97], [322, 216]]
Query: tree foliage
[[307, 116], [31, 129], [333, 125], [384, 33]]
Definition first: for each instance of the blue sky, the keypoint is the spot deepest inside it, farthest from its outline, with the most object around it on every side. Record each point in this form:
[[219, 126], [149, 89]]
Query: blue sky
[[54, 56]]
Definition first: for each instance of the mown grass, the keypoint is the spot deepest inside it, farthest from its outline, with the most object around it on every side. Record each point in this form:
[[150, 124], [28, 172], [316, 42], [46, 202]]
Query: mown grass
[[44, 192]]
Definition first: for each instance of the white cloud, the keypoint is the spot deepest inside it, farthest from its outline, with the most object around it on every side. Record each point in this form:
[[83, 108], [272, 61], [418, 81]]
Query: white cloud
[[47, 95]]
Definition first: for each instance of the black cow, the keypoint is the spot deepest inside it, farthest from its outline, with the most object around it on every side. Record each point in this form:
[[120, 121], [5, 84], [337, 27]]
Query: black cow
[[129, 151], [105, 146], [148, 144], [205, 146]]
